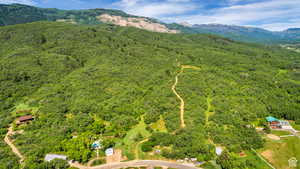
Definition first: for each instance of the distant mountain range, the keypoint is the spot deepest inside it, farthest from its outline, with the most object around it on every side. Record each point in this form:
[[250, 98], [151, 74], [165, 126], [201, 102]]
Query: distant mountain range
[[18, 13], [242, 33]]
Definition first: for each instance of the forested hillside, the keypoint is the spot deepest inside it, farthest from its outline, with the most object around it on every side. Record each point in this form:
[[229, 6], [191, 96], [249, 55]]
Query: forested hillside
[[82, 83], [18, 13], [242, 33]]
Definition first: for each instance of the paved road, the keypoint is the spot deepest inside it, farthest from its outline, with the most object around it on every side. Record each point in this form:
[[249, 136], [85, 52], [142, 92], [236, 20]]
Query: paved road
[[148, 163]]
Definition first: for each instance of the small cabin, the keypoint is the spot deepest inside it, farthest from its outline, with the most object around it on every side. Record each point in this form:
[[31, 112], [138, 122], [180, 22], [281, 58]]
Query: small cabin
[[274, 123], [24, 119]]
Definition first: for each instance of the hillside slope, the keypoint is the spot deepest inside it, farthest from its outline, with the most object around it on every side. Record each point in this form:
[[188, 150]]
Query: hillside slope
[[17, 13], [83, 83]]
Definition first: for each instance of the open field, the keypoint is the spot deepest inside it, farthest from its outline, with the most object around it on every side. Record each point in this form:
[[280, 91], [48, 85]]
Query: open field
[[280, 133], [159, 126], [278, 152]]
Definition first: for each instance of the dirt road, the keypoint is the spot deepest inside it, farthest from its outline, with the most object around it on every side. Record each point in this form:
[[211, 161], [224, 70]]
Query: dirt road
[[182, 123], [12, 146]]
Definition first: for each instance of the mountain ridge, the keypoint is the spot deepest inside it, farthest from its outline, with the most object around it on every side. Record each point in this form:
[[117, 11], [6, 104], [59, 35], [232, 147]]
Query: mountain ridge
[[11, 14]]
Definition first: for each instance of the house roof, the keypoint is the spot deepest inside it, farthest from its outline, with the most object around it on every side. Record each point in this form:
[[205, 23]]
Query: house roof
[[271, 119], [24, 118], [50, 157]]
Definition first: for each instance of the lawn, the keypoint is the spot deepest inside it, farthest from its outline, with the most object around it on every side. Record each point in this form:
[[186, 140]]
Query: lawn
[[130, 143], [280, 133], [24, 109], [279, 152]]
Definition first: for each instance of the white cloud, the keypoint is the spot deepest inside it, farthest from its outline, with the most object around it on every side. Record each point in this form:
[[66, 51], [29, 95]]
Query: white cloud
[[179, 0], [280, 26], [127, 3], [232, 2], [149, 8], [272, 14], [27, 2]]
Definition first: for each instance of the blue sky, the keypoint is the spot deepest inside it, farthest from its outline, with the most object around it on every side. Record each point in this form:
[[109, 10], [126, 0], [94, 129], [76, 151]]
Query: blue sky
[[269, 14]]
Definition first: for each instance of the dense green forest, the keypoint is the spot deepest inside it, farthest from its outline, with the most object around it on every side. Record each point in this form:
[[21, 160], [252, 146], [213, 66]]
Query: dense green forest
[[101, 81]]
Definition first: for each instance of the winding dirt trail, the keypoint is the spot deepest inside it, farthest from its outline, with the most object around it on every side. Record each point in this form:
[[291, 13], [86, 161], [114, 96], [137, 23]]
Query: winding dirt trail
[[12, 146], [182, 123]]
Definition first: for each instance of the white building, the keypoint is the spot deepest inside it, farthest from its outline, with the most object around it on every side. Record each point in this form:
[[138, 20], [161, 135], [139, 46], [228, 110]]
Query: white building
[[50, 157], [109, 151], [285, 125]]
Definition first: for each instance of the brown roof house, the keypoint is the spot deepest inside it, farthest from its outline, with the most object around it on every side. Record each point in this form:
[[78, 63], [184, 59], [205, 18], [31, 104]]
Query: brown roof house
[[24, 119]]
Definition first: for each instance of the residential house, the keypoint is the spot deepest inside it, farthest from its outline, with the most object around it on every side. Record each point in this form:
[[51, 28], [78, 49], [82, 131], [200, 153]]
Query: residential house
[[274, 123], [24, 119]]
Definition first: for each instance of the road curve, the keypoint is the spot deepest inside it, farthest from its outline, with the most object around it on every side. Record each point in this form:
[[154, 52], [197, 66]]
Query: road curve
[[144, 163]]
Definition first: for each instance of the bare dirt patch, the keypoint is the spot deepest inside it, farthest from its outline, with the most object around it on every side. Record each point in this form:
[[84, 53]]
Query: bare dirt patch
[[273, 137], [268, 154], [142, 23], [116, 157]]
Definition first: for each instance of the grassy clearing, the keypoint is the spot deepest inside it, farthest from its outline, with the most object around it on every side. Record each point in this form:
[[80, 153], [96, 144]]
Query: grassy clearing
[[130, 143], [251, 156], [159, 126], [211, 165], [209, 112], [279, 152], [280, 133], [24, 109]]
